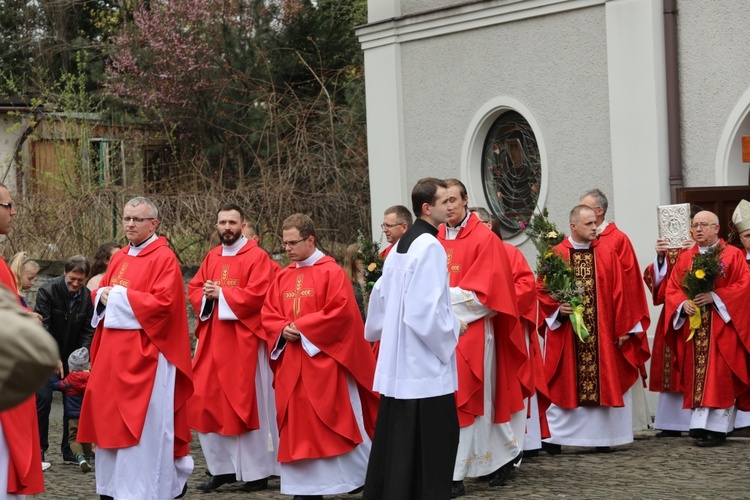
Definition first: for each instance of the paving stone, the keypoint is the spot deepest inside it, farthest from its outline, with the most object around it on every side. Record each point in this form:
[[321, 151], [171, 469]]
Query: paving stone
[[647, 468]]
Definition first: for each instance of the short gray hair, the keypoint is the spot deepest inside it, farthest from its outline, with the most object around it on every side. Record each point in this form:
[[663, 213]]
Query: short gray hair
[[482, 213], [597, 194], [141, 200]]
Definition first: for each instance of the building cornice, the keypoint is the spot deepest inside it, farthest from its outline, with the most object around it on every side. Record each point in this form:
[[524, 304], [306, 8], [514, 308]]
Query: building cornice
[[462, 17]]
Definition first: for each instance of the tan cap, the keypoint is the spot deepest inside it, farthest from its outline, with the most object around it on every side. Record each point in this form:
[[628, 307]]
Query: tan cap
[[741, 216]]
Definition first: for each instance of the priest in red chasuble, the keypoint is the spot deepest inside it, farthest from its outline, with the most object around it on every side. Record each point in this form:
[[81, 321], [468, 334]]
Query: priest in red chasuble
[[612, 237], [323, 370], [135, 404], [491, 410], [532, 372], [589, 380], [671, 418], [715, 360], [233, 408], [19, 431]]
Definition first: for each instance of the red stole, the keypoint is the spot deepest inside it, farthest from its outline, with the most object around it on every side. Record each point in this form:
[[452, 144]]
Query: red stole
[[715, 362], [225, 362], [478, 262], [314, 416], [124, 361], [664, 375], [617, 367], [21, 429]]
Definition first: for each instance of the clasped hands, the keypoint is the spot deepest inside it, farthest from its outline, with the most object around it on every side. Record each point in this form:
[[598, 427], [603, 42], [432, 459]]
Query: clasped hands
[[211, 290], [700, 300], [291, 333]]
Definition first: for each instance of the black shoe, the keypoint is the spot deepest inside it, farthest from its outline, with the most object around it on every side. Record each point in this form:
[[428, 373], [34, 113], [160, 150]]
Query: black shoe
[[105, 497], [216, 481], [669, 434], [698, 433], [552, 449], [308, 497], [184, 490], [712, 439], [457, 489], [357, 490], [501, 475], [70, 458], [257, 485], [603, 449], [530, 453]]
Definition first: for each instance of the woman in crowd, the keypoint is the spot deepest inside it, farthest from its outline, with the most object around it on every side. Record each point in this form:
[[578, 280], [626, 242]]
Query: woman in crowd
[[354, 271], [101, 262]]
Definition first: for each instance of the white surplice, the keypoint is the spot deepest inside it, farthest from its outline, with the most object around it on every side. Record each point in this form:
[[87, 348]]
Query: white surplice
[[483, 446]]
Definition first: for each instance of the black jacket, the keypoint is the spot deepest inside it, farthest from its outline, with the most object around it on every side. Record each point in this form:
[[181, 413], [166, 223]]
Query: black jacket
[[70, 326]]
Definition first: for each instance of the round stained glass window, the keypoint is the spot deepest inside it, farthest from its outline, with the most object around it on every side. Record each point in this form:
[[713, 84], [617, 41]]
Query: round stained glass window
[[511, 172]]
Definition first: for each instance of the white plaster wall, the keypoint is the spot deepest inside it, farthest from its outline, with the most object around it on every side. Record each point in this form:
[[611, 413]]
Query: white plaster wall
[[555, 65], [714, 42]]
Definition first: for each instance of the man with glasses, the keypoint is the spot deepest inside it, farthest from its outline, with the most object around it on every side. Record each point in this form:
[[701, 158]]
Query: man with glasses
[[396, 220], [715, 370], [323, 370], [232, 408], [19, 433], [135, 404]]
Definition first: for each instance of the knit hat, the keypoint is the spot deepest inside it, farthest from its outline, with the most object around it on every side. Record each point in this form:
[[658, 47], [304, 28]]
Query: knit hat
[[79, 360], [741, 216]]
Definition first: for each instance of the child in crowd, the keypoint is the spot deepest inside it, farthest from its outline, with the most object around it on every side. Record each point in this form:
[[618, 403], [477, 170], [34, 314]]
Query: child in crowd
[[25, 270], [74, 386]]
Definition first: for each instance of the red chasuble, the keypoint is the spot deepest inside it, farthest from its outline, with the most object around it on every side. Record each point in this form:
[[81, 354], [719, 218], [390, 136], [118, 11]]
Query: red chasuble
[[225, 362], [123, 367], [664, 375], [21, 429], [635, 306], [314, 416], [715, 360], [595, 372], [532, 372], [478, 262]]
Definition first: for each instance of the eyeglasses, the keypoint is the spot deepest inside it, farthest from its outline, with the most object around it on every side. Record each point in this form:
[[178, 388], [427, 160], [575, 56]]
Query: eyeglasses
[[136, 220], [384, 225], [703, 225], [8, 205], [292, 243]]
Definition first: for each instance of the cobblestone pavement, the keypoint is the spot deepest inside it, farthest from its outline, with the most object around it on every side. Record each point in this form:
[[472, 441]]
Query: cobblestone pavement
[[647, 468]]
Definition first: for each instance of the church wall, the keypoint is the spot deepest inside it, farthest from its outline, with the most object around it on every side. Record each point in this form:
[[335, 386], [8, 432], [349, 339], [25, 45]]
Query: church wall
[[558, 73], [714, 44]]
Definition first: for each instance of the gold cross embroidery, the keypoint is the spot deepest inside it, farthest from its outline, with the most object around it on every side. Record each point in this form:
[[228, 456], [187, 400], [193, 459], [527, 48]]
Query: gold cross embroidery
[[452, 268], [224, 280], [119, 280], [297, 294]]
